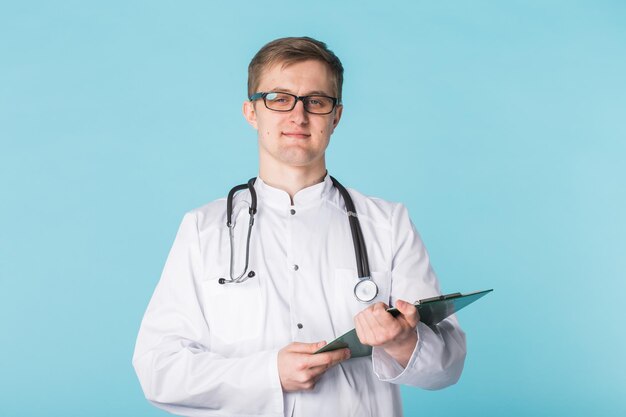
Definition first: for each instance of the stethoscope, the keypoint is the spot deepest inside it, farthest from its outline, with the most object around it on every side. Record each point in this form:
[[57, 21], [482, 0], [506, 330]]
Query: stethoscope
[[365, 290]]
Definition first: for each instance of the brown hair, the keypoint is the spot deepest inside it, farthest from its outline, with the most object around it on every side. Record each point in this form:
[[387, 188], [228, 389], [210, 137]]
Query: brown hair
[[287, 51]]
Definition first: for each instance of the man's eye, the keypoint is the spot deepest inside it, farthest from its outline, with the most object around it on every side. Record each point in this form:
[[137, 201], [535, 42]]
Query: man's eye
[[278, 98]]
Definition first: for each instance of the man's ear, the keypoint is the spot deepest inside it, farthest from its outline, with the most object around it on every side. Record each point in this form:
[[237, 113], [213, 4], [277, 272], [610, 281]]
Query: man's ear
[[250, 113], [337, 116]]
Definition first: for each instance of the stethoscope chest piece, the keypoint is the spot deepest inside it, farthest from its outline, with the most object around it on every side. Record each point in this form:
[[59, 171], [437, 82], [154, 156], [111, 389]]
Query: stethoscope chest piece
[[365, 290]]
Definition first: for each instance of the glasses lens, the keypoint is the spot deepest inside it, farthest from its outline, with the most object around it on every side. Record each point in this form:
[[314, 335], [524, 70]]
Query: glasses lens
[[286, 102], [279, 101], [319, 104]]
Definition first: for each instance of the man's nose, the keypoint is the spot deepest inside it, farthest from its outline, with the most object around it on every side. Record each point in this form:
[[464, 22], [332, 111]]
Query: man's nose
[[298, 114]]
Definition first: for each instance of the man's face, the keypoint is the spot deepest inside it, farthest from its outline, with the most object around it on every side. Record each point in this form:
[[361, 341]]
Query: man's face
[[295, 138]]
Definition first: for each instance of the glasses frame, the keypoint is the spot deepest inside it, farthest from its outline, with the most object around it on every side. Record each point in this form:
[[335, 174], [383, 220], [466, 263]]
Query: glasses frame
[[263, 95]]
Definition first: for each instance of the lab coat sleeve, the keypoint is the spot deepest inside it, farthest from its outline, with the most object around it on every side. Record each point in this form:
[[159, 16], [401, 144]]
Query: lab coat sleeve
[[173, 360], [439, 355]]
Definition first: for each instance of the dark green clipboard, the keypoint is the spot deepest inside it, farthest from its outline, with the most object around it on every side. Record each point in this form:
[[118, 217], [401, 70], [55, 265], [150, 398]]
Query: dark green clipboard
[[431, 310]]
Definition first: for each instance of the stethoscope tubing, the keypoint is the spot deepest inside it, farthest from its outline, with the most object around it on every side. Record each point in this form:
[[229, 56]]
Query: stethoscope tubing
[[231, 232], [360, 251], [365, 290]]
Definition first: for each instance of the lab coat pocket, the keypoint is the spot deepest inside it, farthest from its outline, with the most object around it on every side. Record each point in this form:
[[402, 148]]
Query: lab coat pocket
[[346, 303], [233, 310]]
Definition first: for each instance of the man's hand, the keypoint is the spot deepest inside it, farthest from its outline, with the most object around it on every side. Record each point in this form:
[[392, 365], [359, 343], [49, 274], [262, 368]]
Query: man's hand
[[397, 335], [299, 369]]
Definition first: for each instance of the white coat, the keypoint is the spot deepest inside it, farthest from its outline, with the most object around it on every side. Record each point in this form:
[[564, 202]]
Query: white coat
[[206, 349]]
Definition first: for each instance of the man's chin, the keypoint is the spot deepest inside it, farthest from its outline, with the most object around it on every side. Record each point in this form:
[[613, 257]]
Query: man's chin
[[298, 163], [294, 156], [297, 158]]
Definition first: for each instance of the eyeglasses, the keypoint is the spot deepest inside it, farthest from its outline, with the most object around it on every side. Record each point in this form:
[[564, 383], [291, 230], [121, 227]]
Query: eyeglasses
[[286, 102]]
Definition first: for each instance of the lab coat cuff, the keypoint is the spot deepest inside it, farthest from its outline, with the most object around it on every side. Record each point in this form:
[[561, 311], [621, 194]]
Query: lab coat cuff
[[387, 369]]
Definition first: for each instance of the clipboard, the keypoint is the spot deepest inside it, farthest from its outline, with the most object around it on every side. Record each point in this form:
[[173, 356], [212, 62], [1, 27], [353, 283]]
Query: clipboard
[[431, 310]]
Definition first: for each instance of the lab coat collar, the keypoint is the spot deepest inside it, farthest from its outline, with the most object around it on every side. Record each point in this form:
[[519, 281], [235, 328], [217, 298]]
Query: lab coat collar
[[309, 196]]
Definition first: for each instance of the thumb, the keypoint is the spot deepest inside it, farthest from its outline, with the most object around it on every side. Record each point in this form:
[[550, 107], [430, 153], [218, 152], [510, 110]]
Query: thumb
[[409, 311]]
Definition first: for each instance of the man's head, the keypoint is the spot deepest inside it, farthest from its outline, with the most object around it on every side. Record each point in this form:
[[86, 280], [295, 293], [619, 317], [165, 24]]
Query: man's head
[[287, 51], [294, 91]]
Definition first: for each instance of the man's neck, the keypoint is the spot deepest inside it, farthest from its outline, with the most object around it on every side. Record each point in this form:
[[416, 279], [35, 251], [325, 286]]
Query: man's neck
[[292, 179]]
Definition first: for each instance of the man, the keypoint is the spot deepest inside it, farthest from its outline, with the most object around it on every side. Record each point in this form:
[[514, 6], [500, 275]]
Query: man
[[211, 347]]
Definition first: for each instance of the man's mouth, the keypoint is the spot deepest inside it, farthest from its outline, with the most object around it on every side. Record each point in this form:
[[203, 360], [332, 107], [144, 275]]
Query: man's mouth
[[296, 135]]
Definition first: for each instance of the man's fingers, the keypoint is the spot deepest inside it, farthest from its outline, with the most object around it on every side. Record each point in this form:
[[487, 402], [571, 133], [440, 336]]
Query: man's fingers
[[342, 355], [379, 332], [345, 355], [379, 316], [409, 311], [305, 347], [363, 330], [328, 359], [299, 368]]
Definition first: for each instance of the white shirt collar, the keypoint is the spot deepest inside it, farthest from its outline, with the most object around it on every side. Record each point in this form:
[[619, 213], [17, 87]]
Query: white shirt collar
[[278, 198]]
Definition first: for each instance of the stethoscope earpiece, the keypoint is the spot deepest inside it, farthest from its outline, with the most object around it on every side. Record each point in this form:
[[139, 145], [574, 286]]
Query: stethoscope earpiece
[[223, 280]]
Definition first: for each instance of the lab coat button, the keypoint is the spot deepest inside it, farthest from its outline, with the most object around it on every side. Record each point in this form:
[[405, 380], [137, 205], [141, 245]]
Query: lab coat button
[[292, 211], [296, 267], [300, 325]]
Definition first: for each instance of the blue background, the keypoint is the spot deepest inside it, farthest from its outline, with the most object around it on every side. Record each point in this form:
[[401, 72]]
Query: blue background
[[501, 125]]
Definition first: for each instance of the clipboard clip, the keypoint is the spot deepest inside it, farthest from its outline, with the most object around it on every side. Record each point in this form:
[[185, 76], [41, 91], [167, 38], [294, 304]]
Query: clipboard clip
[[439, 298]]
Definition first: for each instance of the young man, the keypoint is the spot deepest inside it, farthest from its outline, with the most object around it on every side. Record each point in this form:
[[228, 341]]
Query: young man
[[209, 346]]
